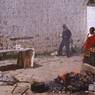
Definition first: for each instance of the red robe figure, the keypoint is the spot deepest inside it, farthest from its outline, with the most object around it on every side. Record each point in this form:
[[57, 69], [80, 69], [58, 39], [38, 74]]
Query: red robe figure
[[90, 42]]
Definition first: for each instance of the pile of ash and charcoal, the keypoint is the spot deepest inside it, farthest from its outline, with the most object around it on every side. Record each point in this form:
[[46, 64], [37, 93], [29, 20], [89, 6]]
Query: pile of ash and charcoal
[[69, 82]]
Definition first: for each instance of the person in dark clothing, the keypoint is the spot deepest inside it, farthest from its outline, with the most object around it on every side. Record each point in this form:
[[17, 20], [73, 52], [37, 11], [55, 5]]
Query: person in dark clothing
[[66, 36]]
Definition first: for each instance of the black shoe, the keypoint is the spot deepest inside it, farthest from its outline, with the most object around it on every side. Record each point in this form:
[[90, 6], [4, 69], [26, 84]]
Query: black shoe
[[68, 55], [59, 55]]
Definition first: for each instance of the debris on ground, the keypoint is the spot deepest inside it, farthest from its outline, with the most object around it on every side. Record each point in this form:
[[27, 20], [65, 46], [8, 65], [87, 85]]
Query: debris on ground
[[69, 82], [20, 88], [6, 79]]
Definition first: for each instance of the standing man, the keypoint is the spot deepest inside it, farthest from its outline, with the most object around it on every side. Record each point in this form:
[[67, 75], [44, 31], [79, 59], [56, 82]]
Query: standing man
[[66, 37]]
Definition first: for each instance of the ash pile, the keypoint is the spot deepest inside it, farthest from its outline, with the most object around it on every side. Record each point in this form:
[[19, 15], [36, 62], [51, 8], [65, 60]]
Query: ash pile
[[70, 82]]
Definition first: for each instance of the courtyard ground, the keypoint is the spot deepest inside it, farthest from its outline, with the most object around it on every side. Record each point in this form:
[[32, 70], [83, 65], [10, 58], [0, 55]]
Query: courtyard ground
[[46, 68]]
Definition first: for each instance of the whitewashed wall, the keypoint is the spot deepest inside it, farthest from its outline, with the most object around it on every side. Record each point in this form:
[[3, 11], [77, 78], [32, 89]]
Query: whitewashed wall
[[42, 21]]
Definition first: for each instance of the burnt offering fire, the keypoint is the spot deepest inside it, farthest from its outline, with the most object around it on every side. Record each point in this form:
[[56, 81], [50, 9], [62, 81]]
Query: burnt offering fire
[[70, 82]]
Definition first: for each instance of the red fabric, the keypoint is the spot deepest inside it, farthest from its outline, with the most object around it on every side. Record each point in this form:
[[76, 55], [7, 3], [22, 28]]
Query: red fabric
[[90, 42]]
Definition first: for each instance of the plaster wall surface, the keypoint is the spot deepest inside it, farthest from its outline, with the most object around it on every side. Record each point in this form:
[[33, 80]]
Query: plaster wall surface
[[38, 23]]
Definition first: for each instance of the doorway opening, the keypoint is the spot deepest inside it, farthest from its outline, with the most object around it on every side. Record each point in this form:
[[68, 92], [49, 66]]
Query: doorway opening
[[90, 14], [90, 17]]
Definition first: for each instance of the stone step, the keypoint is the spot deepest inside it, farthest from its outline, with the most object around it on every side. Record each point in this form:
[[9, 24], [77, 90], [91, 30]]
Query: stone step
[[87, 67]]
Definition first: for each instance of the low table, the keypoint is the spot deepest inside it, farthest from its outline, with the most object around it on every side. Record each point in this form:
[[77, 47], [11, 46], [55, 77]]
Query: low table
[[25, 56]]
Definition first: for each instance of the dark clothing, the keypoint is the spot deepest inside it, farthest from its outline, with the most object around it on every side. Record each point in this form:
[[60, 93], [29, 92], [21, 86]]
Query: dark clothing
[[90, 43], [66, 36]]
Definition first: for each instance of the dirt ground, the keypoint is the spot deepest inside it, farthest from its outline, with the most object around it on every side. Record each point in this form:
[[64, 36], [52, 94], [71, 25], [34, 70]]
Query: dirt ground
[[46, 68]]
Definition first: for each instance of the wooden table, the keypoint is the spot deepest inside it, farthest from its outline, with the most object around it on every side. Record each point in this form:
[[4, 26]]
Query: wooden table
[[25, 56]]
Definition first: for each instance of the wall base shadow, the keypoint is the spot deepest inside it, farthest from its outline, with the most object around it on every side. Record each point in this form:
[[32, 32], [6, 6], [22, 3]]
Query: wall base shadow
[[10, 67], [15, 67]]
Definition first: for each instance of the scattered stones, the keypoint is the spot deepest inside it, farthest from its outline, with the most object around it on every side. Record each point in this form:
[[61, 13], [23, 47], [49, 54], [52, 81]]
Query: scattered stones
[[91, 87], [6, 79], [20, 88]]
